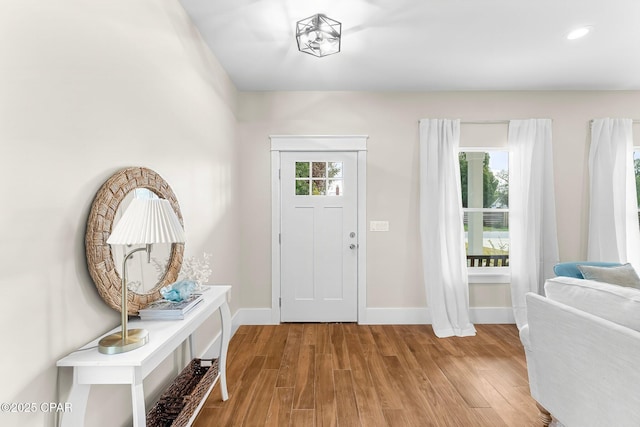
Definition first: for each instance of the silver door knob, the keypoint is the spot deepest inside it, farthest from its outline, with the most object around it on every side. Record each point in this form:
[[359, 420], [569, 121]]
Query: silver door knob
[[353, 246]]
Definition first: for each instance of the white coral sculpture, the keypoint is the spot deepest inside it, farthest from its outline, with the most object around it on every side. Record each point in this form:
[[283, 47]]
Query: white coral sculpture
[[196, 269]]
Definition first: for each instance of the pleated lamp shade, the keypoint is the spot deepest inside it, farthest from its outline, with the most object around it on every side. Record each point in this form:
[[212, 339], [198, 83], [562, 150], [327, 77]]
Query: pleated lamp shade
[[147, 221]]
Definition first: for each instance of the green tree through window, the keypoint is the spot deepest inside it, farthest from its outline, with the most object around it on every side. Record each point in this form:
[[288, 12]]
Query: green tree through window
[[494, 188]]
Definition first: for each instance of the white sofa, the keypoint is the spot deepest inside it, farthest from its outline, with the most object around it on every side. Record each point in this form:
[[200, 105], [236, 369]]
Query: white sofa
[[583, 353]]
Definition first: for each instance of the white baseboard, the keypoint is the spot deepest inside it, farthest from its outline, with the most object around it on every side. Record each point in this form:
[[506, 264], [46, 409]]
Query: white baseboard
[[492, 315], [384, 316], [422, 316], [396, 316], [254, 316]]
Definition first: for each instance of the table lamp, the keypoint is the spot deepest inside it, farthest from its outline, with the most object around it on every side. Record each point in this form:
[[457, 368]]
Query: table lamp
[[146, 221]]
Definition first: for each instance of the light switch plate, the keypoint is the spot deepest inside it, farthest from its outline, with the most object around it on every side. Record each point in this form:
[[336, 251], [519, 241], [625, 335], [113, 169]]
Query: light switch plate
[[378, 225]]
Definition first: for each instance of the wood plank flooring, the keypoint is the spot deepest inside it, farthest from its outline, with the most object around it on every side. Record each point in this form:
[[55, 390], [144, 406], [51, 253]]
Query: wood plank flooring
[[325, 374]]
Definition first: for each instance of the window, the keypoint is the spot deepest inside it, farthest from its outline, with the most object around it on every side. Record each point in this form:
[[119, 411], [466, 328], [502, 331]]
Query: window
[[319, 179], [636, 171], [484, 178]]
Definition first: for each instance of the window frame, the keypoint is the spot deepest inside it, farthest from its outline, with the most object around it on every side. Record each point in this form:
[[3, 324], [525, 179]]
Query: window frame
[[635, 149], [487, 275]]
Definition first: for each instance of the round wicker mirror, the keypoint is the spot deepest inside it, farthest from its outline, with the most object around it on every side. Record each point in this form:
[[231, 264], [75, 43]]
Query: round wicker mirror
[[100, 259]]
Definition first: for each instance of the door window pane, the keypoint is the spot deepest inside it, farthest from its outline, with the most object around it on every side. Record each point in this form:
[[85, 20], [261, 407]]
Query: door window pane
[[335, 187], [319, 187], [302, 169], [302, 187], [319, 169], [334, 170]]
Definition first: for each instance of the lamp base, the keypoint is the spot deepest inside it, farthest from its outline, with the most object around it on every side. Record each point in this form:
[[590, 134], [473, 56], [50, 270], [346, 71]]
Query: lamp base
[[114, 344]]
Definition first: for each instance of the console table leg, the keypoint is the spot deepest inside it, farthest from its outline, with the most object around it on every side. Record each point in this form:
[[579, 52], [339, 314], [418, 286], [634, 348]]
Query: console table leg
[[78, 397], [192, 352], [225, 316], [137, 404]]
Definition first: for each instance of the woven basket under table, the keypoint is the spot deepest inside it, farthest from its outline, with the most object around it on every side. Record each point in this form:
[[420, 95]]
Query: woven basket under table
[[180, 400]]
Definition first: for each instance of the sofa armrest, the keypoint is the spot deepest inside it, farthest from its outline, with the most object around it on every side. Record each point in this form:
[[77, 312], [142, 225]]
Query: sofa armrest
[[585, 367]]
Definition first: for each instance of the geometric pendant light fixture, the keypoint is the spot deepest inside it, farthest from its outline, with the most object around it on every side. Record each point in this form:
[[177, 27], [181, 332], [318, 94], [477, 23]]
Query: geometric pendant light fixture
[[318, 35]]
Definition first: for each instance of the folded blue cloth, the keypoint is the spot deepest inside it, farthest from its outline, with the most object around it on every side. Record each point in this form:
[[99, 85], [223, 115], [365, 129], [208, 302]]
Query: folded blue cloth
[[178, 291]]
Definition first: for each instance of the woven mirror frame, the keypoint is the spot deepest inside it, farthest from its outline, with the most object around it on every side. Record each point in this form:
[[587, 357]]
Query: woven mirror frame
[[99, 225]]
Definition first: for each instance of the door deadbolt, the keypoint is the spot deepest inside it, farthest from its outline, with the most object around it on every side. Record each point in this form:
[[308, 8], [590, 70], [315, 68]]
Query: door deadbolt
[[352, 234]]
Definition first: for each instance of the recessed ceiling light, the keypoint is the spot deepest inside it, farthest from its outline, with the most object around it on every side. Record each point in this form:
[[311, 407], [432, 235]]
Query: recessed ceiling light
[[579, 32]]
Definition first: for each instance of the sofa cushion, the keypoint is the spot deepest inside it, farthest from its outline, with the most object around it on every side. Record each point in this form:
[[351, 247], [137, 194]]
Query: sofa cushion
[[570, 269], [615, 303], [623, 275]]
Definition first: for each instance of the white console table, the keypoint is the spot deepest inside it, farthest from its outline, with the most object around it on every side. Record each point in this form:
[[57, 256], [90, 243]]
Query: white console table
[[91, 367]]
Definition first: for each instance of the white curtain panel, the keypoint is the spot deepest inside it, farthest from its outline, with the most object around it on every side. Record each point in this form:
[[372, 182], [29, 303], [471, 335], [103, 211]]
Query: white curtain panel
[[613, 210], [532, 214], [442, 230]]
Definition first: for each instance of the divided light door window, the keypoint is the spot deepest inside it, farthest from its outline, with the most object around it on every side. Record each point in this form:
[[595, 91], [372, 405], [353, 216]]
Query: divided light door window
[[319, 179]]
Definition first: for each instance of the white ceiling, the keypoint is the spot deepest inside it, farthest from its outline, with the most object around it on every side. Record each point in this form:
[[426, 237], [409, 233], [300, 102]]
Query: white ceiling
[[422, 45]]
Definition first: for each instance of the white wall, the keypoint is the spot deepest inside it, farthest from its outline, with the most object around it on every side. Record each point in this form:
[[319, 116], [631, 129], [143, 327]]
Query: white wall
[[394, 271], [87, 88]]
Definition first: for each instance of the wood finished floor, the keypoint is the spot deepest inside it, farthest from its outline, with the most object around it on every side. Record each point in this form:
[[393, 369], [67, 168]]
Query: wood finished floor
[[351, 375]]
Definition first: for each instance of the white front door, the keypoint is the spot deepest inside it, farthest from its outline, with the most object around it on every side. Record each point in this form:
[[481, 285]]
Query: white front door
[[319, 241]]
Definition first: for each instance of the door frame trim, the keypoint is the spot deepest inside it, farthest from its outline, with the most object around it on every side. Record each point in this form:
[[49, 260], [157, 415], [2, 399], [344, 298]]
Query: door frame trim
[[350, 143]]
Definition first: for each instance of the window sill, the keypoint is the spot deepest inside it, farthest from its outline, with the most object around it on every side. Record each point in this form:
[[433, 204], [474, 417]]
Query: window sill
[[489, 274]]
